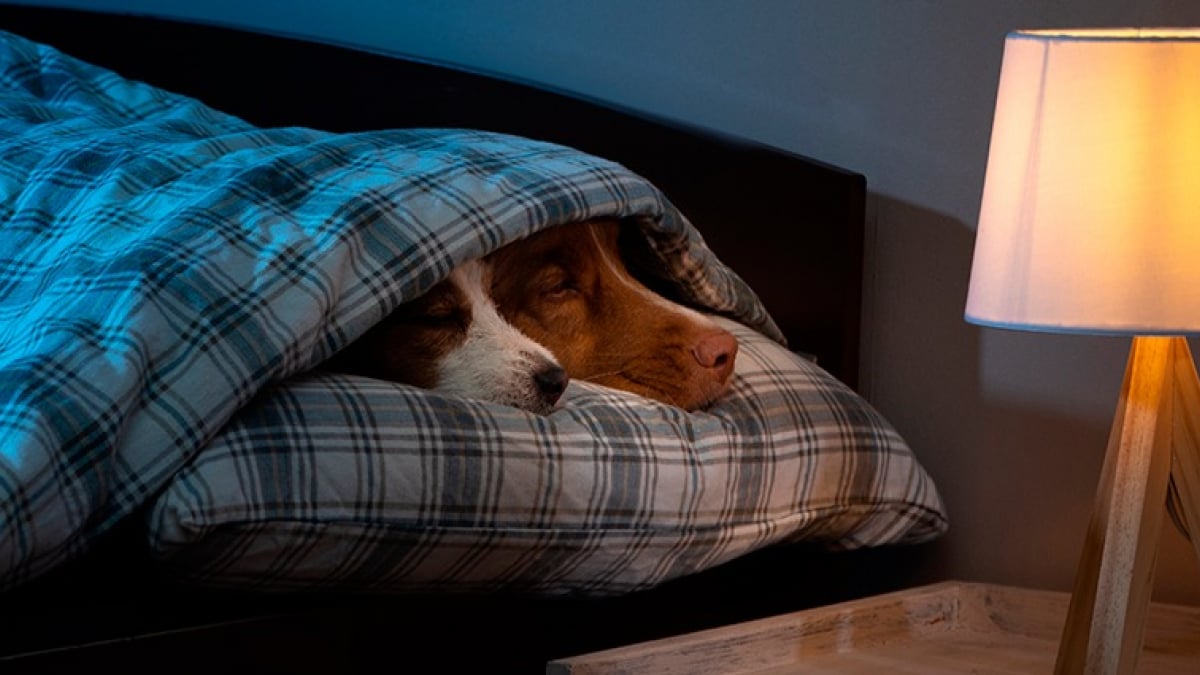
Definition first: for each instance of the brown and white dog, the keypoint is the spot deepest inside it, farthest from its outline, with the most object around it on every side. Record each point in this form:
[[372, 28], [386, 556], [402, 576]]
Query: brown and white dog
[[568, 289], [452, 339]]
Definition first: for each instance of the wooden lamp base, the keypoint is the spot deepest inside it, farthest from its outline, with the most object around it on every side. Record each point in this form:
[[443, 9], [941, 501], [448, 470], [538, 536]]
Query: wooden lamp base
[[1152, 457]]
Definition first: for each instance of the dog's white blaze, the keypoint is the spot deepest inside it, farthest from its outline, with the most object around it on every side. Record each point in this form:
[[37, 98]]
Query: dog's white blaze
[[495, 361], [619, 273]]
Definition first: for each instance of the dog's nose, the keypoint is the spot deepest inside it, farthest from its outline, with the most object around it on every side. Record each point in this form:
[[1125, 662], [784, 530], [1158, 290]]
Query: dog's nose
[[551, 382], [717, 350]]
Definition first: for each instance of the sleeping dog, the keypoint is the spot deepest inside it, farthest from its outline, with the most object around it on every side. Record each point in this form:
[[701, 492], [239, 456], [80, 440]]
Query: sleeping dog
[[567, 287], [452, 339], [514, 327]]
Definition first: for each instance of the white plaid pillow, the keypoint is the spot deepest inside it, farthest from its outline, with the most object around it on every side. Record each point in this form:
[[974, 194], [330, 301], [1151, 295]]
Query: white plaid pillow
[[351, 483]]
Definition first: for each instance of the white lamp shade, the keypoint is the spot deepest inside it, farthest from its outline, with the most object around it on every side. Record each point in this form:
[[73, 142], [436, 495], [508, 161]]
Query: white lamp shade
[[1090, 219]]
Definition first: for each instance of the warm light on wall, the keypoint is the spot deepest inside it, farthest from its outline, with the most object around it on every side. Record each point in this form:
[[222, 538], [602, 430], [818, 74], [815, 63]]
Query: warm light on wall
[[1090, 222]]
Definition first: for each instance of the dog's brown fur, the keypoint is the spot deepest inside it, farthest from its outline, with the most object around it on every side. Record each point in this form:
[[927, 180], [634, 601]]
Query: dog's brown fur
[[568, 289]]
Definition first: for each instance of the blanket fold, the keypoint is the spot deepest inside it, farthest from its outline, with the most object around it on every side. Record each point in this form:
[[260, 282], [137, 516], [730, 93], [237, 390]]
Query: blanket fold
[[162, 262]]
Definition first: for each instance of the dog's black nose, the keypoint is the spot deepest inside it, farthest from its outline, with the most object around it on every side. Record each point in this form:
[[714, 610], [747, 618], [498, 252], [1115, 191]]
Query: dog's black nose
[[551, 382]]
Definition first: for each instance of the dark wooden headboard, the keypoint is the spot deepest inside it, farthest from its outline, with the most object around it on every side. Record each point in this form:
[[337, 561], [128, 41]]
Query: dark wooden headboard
[[790, 226]]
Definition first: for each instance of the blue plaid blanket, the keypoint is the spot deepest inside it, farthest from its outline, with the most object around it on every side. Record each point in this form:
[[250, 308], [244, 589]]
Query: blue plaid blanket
[[162, 262]]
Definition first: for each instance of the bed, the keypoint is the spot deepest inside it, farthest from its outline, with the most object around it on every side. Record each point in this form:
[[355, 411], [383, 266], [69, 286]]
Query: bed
[[188, 241]]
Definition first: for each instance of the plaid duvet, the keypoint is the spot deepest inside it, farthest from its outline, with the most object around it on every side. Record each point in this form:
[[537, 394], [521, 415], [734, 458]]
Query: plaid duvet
[[161, 263]]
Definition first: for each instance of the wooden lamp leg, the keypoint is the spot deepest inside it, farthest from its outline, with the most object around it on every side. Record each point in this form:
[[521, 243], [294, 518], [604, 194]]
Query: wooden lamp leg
[[1185, 460], [1155, 426]]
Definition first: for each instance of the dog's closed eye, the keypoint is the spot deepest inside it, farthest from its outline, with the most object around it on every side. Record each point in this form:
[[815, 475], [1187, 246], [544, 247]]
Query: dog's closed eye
[[555, 283], [435, 310], [442, 314]]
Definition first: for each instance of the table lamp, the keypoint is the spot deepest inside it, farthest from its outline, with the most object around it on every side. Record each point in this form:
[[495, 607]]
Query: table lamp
[[1090, 223]]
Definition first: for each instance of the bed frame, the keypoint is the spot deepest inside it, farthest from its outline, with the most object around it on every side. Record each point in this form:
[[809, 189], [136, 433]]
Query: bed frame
[[793, 231]]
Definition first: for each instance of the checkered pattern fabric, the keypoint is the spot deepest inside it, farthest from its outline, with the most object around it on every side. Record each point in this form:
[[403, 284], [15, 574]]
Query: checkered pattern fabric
[[332, 481], [170, 275], [162, 262]]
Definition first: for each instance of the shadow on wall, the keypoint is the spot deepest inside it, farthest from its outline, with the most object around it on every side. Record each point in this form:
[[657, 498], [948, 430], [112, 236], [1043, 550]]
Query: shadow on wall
[[1011, 425]]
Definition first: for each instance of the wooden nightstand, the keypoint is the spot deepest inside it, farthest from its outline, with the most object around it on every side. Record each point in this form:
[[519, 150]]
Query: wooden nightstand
[[951, 627]]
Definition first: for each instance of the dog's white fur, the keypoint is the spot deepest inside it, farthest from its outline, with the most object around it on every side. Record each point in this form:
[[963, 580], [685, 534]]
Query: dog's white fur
[[453, 339], [496, 361]]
